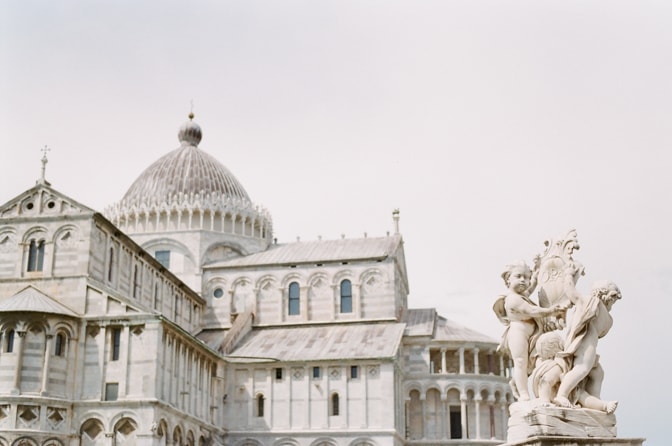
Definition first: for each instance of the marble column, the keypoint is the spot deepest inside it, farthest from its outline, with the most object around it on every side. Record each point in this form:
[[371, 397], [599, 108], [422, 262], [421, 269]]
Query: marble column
[[46, 364]]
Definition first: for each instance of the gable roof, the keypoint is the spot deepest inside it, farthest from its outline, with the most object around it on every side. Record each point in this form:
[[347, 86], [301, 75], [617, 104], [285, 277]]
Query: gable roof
[[322, 342], [30, 299], [42, 200], [318, 251]]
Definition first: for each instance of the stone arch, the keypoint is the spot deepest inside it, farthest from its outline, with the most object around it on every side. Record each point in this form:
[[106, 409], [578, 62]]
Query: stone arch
[[286, 441], [248, 442], [412, 385], [64, 254], [177, 436], [364, 441], [52, 442], [414, 415], [324, 441], [173, 246], [292, 277], [3, 441], [125, 432], [242, 295], [34, 232], [433, 413], [222, 251], [9, 250], [162, 431], [269, 299], [320, 296], [372, 278], [24, 441], [92, 432], [190, 438]]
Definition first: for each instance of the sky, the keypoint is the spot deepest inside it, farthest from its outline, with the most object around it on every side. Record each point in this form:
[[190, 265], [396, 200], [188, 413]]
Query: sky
[[491, 125]]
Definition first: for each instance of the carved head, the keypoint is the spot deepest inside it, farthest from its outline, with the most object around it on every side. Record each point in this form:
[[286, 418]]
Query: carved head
[[607, 292], [549, 344], [517, 276]]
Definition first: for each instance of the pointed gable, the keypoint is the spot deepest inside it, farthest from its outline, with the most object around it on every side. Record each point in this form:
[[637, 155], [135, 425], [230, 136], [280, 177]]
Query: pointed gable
[[30, 299], [42, 200]]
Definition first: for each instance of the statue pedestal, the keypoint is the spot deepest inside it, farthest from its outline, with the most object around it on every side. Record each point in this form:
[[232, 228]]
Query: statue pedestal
[[533, 425], [573, 441]]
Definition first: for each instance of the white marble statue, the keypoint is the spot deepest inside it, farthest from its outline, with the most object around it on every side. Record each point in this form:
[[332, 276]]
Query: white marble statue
[[590, 321], [524, 320]]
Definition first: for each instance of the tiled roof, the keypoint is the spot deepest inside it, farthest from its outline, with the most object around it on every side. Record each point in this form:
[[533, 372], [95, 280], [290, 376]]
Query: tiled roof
[[316, 343], [420, 321], [447, 330], [30, 299], [425, 322], [319, 251]]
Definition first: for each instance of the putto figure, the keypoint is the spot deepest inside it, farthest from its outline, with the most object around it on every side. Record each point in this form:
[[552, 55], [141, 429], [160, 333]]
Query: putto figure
[[524, 321]]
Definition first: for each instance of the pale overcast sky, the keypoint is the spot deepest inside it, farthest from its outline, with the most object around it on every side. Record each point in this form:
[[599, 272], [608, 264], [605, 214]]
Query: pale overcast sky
[[491, 126]]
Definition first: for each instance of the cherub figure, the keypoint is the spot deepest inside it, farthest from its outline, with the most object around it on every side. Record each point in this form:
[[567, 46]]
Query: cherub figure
[[591, 320], [550, 370], [524, 320]]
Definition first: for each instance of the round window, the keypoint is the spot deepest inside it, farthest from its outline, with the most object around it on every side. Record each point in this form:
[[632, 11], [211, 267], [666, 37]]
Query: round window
[[218, 293]]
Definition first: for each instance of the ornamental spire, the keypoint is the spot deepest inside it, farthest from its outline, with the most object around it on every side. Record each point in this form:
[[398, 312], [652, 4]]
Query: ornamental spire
[[44, 161]]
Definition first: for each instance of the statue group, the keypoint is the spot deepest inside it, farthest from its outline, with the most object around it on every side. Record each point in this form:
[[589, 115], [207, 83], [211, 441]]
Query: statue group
[[553, 343]]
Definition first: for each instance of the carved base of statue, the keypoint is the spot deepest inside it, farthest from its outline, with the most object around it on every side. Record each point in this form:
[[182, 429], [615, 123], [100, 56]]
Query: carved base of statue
[[532, 424]]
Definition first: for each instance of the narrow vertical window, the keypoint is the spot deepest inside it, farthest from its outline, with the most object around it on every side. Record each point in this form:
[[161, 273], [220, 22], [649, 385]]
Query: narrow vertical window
[[346, 296], [455, 422], [260, 405], [59, 347], [116, 343], [136, 281], [354, 372], [335, 406], [316, 372], [36, 255], [9, 348], [294, 299], [278, 374], [110, 266]]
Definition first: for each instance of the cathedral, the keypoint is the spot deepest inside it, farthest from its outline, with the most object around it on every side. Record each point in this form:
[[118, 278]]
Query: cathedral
[[175, 318]]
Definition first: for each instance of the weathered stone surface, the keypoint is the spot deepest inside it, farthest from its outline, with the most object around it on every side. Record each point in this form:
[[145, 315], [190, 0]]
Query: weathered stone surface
[[582, 441], [527, 421]]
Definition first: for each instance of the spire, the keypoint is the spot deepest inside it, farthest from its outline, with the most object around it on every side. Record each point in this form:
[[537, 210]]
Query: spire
[[395, 217], [44, 161]]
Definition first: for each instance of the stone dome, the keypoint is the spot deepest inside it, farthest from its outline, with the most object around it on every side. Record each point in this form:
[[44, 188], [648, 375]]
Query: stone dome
[[186, 190], [185, 171]]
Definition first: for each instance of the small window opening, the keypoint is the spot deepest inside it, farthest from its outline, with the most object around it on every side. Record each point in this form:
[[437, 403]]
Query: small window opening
[[278, 374], [346, 296], [294, 299], [36, 255], [260, 405], [316, 372], [116, 343], [354, 372], [59, 346], [163, 257], [335, 405], [9, 348]]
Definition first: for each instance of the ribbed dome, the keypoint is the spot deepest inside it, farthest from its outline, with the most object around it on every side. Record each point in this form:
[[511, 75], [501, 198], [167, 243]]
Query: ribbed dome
[[185, 171]]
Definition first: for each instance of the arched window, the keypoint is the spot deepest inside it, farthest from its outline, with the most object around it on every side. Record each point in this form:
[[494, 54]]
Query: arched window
[[294, 299], [260, 405], [59, 345], [36, 255], [334, 408], [346, 296], [9, 348]]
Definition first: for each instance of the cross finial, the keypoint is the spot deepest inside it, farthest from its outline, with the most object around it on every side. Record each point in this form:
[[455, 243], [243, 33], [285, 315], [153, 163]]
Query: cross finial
[[44, 160]]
